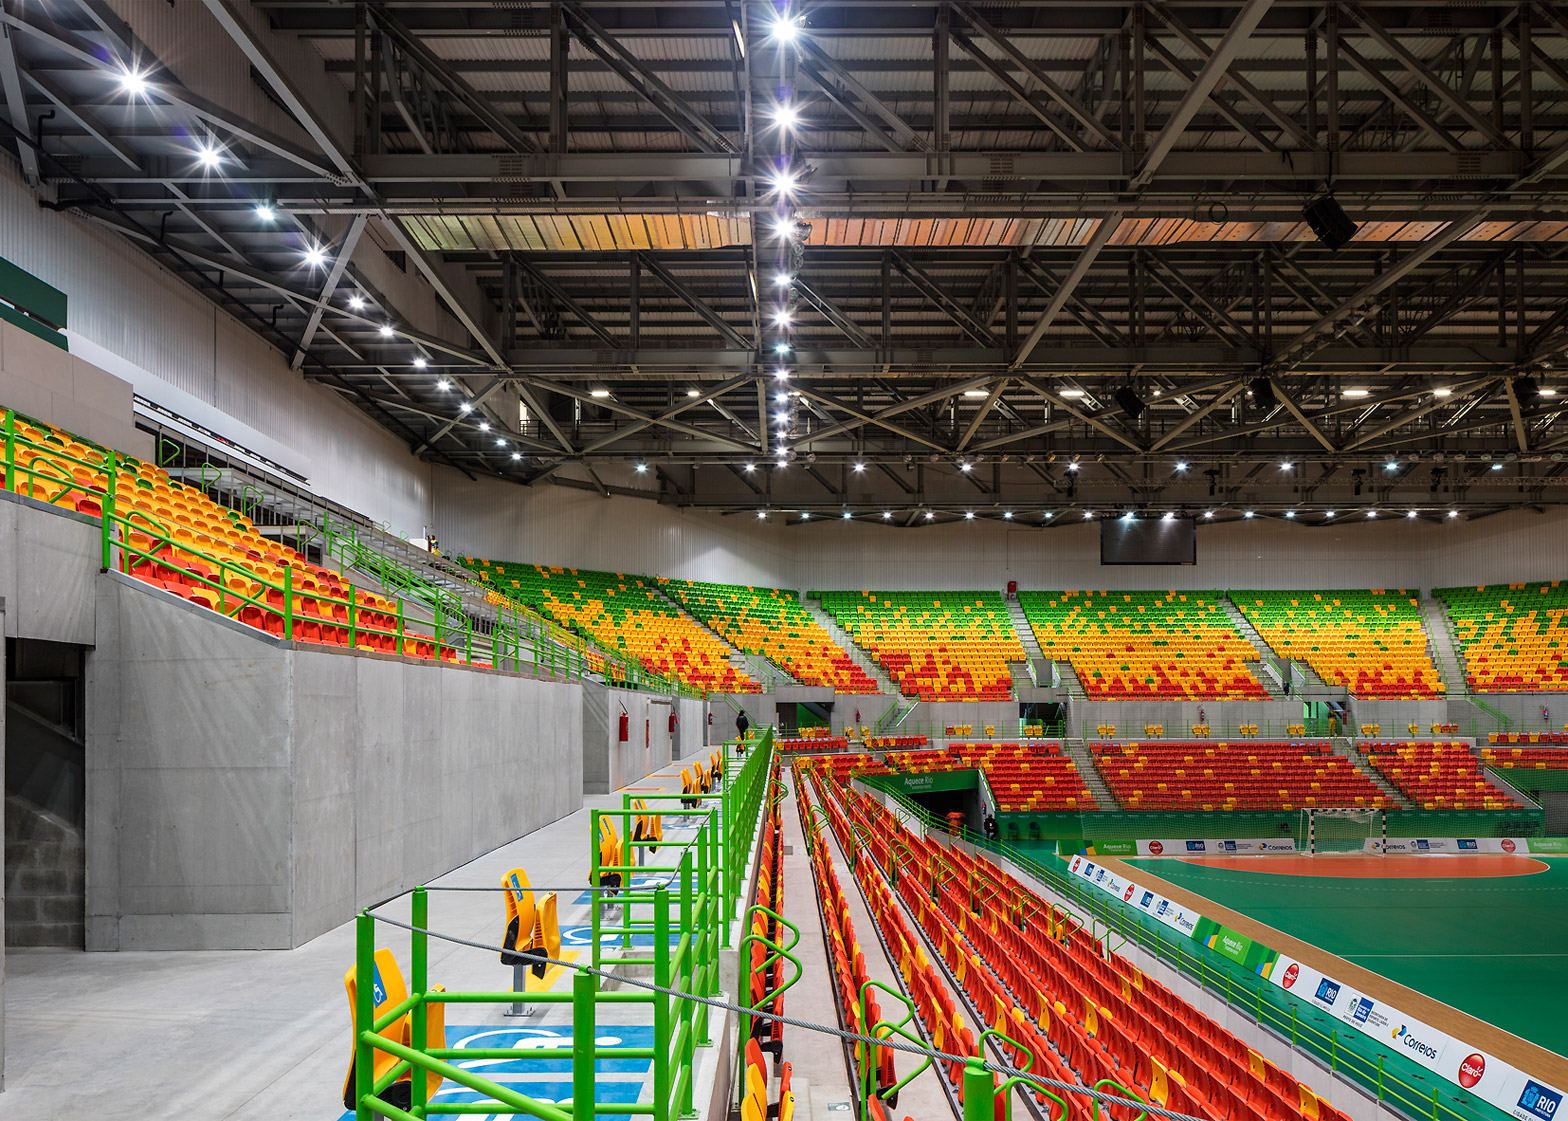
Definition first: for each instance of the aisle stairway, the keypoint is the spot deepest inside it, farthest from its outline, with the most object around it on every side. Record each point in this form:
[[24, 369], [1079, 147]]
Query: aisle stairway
[[1358, 759], [857, 653], [755, 666], [1259, 670], [1083, 759], [1441, 647], [1025, 632]]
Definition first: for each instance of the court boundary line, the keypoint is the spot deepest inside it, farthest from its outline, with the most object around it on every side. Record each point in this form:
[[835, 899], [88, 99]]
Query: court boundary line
[[1529, 1057]]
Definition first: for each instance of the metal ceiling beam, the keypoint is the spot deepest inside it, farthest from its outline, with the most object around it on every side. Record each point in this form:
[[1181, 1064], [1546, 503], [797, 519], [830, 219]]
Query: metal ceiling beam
[[847, 326], [1021, 95], [1521, 433], [939, 296], [668, 415], [16, 103], [562, 297], [1396, 96], [436, 66], [340, 259], [85, 119], [1197, 93], [939, 394], [1080, 269], [982, 412], [260, 56], [635, 73], [1302, 418], [1038, 76], [1430, 81], [615, 406], [1233, 77], [862, 417], [1073, 410], [1404, 418], [1197, 416], [696, 303], [912, 140]]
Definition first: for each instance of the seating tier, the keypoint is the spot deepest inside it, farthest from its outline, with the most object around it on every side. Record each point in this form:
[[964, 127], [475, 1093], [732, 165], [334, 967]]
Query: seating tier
[[1145, 645], [1436, 774], [1232, 776], [1512, 637], [771, 623], [938, 646], [1371, 642], [623, 613]]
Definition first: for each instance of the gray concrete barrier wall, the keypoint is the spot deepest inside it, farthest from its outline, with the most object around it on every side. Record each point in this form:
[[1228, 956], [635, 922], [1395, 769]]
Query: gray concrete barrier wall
[[244, 793]]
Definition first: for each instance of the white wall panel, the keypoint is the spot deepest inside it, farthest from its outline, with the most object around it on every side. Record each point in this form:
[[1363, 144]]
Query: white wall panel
[[559, 525], [548, 524], [127, 303]]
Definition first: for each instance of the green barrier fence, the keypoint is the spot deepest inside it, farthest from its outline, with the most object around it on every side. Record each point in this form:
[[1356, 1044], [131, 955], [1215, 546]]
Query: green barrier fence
[[696, 904], [1389, 1076]]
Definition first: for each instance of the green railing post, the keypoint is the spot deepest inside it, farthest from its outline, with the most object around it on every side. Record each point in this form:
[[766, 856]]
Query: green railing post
[[595, 919], [1380, 1078], [364, 1013], [419, 984], [353, 620], [979, 1093], [661, 1003], [468, 631], [288, 603], [10, 450], [108, 511], [400, 624], [585, 987]]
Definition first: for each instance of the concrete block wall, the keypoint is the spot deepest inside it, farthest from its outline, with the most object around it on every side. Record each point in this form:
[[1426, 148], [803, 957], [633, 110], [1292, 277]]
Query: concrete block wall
[[1130, 717], [45, 382], [45, 865], [245, 793]]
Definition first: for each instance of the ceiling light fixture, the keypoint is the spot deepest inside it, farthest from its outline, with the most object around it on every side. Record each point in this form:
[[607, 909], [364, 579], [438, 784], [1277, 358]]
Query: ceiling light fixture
[[315, 257], [385, 330], [133, 82], [420, 363], [265, 212], [356, 303], [443, 384]]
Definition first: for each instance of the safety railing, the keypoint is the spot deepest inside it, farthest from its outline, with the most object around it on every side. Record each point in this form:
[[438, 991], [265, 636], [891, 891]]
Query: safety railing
[[139, 543], [1254, 730], [1390, 1077]]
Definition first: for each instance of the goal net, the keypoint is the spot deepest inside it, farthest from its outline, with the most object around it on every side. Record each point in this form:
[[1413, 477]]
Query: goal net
[[1343, 829]]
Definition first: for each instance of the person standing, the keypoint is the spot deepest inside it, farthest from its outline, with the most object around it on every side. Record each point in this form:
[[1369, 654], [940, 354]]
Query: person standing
[[742, 723]]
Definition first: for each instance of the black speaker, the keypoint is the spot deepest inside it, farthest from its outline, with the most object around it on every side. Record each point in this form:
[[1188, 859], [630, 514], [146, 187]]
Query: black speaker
[[1129, 402], [1262, 393], [1328, 221], [1527, 390]]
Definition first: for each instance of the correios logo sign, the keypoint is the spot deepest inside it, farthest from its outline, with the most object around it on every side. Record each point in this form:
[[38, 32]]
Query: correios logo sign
[[1405, 1039]]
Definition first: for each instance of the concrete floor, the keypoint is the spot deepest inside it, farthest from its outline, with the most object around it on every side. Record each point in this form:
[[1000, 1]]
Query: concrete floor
[[256, 1034], [263, 1035]]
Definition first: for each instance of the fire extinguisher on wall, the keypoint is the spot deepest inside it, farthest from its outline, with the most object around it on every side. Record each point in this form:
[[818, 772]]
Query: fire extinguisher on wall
[[672, 721], [626, 725]]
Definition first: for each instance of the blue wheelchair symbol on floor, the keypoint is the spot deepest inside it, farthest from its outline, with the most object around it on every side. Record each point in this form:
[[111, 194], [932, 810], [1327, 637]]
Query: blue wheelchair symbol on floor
[[616, 1081], [644, 882], [581, 937]]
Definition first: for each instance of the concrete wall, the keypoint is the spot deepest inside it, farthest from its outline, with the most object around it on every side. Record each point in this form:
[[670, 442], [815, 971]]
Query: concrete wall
[[1177, 716], [48, 562], [246, 794], [45, 862], [607, 763], [3, 614], [67, 391]]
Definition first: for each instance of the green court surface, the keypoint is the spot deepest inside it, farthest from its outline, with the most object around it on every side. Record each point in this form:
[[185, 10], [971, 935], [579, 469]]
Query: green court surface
[[1493, 947]]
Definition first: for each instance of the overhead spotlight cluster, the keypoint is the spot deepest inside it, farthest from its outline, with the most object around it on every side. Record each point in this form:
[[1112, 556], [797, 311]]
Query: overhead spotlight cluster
[[786, 184]]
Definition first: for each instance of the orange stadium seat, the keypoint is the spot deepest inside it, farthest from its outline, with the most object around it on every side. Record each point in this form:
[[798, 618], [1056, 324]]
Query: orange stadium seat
[[938, 646], [1145, 645]]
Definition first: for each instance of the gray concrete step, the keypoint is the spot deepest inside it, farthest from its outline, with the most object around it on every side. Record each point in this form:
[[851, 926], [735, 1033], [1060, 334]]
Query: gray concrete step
[[1247, 631], [1347, 747], [857, 653], [1443, 647], [1083, 759], [754, 666], [1025, 632]]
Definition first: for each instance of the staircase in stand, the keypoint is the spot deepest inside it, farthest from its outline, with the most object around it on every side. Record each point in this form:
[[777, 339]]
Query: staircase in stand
[[1083, 759], [1247, 631], [1442, 648], [1360, 762], [847, 644], [754, 666], [1025, 632]]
